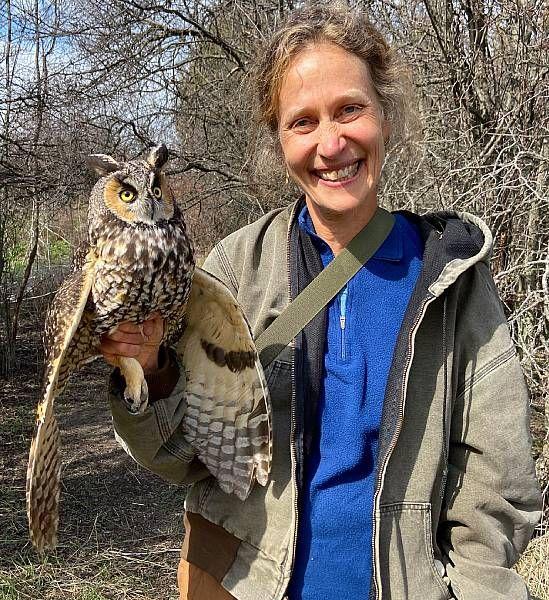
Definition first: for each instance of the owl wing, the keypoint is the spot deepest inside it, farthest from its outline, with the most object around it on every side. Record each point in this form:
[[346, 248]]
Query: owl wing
[[66, 349], [228, 418]]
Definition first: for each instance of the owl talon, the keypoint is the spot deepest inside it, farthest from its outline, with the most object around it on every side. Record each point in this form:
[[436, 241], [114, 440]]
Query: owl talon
[[136, 394], [136, 398]]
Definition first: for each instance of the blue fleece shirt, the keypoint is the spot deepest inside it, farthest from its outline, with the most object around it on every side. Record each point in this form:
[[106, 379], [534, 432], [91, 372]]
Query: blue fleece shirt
[[334, 545]]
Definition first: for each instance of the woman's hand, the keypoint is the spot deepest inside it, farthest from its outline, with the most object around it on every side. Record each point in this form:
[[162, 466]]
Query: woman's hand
[[141, 342]]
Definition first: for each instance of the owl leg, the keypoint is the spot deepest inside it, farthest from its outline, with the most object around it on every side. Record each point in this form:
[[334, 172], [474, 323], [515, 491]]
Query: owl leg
[[136, 394]]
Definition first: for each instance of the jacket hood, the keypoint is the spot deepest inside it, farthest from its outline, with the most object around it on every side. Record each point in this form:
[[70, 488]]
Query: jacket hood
[[454, 242]]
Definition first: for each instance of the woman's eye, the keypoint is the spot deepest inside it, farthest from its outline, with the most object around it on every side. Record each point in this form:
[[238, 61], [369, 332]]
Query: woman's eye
[[127, 195], [350, 110], [303, 124], [157, 192]]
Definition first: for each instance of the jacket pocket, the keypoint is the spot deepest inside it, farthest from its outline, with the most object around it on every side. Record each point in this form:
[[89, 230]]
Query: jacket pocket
[[406, 556]]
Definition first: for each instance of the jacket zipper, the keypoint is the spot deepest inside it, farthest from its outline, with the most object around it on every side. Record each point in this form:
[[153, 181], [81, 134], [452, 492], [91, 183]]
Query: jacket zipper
[[293, 453], [342, 318], [383, 467]]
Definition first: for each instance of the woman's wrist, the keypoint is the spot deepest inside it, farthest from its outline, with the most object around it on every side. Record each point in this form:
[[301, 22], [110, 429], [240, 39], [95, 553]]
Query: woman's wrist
[[162, 380], [155, 361]]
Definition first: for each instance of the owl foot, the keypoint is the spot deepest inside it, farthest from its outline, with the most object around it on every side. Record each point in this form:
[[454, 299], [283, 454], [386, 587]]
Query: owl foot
[[136, 394], [136, 397]]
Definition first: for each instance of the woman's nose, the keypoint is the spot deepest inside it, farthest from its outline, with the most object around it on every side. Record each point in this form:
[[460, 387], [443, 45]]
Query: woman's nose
[[331, 140]]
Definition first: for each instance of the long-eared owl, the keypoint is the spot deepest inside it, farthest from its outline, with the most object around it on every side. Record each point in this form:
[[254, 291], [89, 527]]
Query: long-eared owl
[[139, 261]]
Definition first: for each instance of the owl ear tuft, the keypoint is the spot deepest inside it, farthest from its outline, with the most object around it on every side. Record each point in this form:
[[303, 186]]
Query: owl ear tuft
[[102, 164], [158, 156]]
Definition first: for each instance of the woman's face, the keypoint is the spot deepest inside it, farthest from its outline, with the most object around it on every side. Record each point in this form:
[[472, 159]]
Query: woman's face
[[331, 130]]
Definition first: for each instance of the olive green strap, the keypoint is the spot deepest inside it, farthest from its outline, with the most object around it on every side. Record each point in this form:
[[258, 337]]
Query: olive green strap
[[324, 287]]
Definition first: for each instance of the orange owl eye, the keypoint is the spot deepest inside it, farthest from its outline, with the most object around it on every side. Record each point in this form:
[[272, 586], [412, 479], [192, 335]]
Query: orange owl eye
[[127, 195], [157, 192]]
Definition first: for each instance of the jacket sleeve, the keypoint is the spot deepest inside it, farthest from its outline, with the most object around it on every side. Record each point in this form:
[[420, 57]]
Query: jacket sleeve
[[492, 501], [155, 439]]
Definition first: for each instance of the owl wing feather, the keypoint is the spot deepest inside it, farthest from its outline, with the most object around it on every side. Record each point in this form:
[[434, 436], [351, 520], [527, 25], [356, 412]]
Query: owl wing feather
[[228, 418], [65, 317]]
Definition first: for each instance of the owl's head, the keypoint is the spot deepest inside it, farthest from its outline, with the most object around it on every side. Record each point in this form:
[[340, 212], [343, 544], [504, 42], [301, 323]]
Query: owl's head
[[134, 191]]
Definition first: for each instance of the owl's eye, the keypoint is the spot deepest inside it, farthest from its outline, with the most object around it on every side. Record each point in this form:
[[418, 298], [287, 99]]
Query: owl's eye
[[157, 192], [127, 195]]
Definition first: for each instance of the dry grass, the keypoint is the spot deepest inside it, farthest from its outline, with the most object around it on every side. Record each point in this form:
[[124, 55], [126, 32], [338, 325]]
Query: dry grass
[[120, 527], [82, 576], [534, 567]]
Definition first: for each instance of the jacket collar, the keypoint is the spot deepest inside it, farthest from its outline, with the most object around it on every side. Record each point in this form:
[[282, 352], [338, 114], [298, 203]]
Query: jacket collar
[[391, 250], [454, 242]]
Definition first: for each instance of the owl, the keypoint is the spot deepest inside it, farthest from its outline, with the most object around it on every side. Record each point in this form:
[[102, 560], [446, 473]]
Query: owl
[[138, 261]]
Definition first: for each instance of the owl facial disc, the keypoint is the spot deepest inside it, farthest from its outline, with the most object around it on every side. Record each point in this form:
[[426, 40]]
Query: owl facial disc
[[135, 192]]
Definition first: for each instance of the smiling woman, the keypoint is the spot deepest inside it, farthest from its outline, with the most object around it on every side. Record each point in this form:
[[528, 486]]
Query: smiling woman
[[401, 454], [332, 134]]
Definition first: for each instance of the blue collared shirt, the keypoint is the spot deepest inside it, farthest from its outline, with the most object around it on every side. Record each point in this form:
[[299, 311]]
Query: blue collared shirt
[[334, 547]]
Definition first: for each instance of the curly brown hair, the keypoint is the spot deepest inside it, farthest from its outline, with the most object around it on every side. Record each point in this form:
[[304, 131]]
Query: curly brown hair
[[335, 23]]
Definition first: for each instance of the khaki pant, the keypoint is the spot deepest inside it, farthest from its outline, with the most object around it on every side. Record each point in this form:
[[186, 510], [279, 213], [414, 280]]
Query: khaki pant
[[196, 584]]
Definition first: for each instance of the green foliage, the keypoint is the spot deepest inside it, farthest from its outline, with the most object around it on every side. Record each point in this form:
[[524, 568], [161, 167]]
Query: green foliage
[[8, 591], [90, 593], [59, 250], [11, 583], [16, 257]]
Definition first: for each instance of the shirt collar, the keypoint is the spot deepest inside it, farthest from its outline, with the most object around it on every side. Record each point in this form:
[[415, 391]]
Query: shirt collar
[[391, 249]]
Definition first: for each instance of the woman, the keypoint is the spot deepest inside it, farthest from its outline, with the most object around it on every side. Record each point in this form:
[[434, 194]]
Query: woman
[[402, 460]]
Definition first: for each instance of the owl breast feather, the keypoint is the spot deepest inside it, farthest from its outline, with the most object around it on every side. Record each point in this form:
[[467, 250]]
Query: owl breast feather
[[141, 270]]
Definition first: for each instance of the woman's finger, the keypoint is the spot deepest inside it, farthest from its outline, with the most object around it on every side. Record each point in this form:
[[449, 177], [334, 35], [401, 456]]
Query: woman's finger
[[149, 327], [122, 336], [154, 326], [110, 358], [120, 348], [127, 327]]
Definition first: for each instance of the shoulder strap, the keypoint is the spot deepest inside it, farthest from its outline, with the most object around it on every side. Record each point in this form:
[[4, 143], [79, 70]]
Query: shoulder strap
[[324, 287]]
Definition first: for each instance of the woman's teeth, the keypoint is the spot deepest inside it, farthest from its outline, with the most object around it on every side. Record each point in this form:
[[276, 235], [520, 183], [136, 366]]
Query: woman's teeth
[[340, 175]]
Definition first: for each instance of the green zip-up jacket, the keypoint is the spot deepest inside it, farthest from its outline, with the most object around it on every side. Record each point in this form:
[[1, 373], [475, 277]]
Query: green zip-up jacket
[[456, 498]]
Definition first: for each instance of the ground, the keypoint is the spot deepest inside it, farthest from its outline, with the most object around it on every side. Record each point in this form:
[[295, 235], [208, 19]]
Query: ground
[[120, 526]]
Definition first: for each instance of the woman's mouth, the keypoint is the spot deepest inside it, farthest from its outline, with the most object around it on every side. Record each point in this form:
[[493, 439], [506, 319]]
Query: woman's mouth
[[340, 175]]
